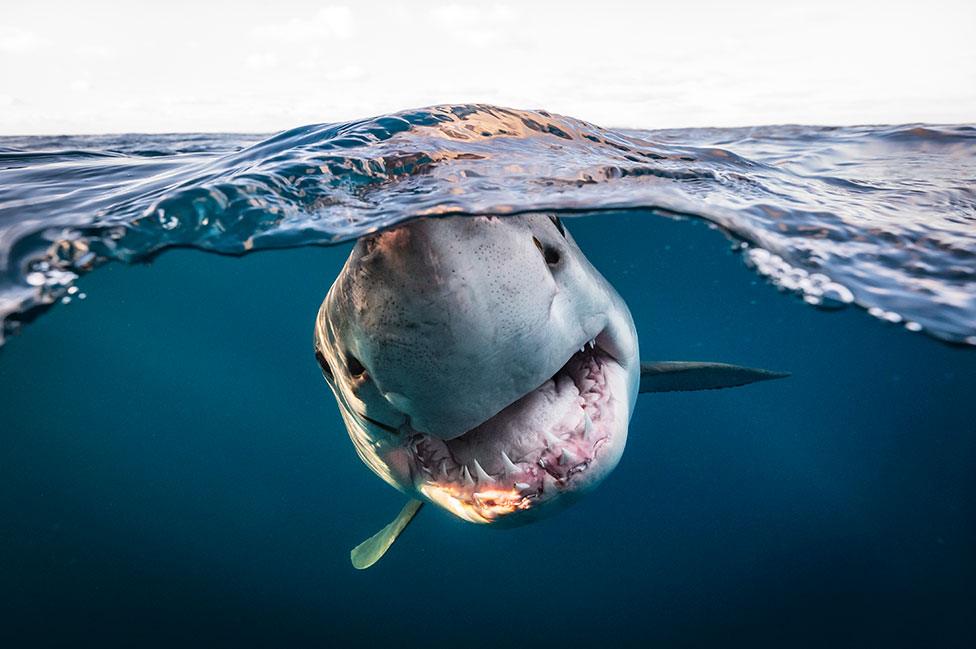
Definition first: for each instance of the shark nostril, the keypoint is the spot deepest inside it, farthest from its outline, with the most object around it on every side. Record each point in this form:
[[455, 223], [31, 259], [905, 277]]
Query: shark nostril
[[550, 254]]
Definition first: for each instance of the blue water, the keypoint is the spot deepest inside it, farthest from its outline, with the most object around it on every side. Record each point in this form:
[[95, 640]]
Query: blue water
[[174, 470]]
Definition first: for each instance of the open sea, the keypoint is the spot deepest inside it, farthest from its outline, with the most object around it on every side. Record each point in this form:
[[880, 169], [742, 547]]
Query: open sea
[[174, 470]]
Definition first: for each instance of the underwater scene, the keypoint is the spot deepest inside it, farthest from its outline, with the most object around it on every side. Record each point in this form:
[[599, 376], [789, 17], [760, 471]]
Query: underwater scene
[[495, 311]]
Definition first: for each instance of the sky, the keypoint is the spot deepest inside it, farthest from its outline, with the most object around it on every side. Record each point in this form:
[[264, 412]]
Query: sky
[[248, 66]]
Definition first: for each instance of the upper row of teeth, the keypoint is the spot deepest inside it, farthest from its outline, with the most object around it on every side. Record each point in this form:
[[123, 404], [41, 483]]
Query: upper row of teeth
[[589, 344]]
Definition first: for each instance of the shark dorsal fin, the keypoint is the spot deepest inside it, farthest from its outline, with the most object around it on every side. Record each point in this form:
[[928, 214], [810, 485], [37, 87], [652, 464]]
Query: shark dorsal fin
[[674, 376], [372, 549]]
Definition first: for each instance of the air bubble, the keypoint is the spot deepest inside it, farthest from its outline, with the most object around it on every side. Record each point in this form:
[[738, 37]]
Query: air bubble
[[837, 294], [817, 289]]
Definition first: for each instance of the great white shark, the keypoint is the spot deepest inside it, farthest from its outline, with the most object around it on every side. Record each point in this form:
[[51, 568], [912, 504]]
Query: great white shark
[[482, 364]]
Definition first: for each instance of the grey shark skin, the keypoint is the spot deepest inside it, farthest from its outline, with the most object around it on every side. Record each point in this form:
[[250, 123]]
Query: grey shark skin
[[482, 364]]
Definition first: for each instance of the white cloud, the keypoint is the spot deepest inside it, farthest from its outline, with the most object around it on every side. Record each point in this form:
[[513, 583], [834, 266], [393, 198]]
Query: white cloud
[[96, 51], [344, 73], [332, 22], [260, 61], [14, 40], [475, 25]]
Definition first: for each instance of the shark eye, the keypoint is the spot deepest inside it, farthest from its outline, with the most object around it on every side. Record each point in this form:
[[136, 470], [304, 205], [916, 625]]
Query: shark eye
[[324, 364], [559, 225], [550, 254], [355, 368]]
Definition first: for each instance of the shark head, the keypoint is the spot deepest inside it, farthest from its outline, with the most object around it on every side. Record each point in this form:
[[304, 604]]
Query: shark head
[[481, 364]]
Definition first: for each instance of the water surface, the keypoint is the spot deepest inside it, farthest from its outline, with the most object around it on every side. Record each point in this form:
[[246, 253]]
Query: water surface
[[884, 216]]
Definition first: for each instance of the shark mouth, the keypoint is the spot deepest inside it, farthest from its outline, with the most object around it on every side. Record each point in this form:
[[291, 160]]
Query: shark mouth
[[561, 438]]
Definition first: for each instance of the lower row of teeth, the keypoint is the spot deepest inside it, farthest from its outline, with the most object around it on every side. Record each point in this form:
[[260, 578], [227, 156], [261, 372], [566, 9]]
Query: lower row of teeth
[[474, 475]]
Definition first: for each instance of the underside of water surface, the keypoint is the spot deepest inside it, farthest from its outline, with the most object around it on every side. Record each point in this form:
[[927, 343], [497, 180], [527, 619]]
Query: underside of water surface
[[880, 216]]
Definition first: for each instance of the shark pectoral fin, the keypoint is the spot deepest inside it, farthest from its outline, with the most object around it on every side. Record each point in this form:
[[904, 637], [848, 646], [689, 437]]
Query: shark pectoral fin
[[674, 376], [372, 549]]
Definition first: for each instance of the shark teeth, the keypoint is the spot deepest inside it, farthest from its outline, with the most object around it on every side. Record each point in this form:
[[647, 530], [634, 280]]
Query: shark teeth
[[552, 453], [480, 474], [568, 458], [552, 440], [510, 467]]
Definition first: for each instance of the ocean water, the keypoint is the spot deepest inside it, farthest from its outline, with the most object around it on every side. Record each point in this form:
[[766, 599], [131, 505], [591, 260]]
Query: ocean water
[[174, 470]]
